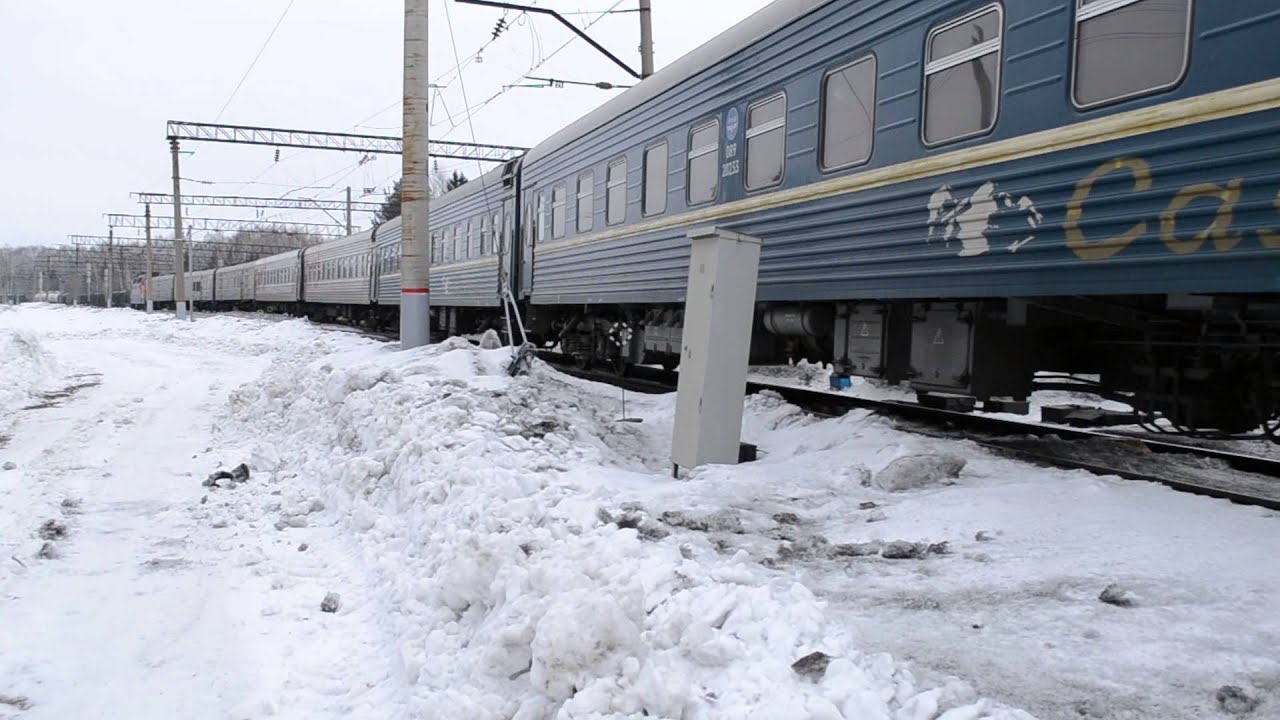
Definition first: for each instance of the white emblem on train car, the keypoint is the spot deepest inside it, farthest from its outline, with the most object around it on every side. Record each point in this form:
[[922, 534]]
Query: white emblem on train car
[[969, 220]]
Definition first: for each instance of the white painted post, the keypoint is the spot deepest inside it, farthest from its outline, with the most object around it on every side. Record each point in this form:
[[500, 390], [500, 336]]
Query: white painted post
[[715, 347]]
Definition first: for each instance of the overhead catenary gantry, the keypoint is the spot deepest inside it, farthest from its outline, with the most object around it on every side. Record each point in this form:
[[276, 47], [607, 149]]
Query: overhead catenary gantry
[[128, 254], [348, 142], [140, 221], [200, 246], [177, 131], [257, 202]]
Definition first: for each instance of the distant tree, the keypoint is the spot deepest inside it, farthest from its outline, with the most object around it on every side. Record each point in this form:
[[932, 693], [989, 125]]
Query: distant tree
[[390, 209], [436, 186]]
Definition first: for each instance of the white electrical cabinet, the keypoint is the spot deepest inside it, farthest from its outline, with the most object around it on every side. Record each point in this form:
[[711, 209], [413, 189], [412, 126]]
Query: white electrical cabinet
[[715, 347]]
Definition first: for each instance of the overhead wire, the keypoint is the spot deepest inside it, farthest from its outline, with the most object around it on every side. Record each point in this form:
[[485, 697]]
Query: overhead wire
[[444, 77], [448, 77], [484, 189], [255, 60], [469, 111]]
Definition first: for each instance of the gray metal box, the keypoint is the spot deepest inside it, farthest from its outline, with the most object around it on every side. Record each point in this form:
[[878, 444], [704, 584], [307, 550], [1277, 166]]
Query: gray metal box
[[940, 345], [859, 338], [719, 311], [969, 348]]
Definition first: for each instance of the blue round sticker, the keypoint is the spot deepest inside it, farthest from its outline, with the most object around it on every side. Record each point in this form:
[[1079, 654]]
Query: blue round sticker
[[731, 125]]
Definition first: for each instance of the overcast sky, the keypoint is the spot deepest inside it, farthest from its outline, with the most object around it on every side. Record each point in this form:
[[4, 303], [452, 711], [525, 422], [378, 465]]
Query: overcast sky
[[87, 87]]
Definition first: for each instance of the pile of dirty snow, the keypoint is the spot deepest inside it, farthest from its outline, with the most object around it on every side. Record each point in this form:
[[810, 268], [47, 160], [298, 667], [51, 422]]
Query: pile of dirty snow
[[490, 509], [26, 368]]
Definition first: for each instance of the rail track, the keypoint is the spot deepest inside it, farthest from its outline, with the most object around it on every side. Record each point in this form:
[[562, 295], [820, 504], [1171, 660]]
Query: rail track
[[1237, 477]]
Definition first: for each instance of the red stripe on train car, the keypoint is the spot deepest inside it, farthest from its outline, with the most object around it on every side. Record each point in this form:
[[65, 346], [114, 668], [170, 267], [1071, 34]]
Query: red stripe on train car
[[414, 291]]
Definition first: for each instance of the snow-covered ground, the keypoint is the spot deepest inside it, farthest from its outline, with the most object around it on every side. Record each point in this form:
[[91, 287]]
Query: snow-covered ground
[[506, 548]]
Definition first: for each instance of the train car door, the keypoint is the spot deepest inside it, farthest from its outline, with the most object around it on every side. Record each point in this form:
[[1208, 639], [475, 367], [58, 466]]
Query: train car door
[[527, 229], [507, 268]]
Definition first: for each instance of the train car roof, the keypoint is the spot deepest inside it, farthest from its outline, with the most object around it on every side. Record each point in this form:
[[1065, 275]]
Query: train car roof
[[277, 257], [768, 19], [487, 181], [381, 232]]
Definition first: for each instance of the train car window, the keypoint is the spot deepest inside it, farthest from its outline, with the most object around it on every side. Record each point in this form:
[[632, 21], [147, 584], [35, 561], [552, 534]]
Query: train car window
[[496, 229], [469, 242], [616, 192], [484, 236], [586, 201], [453, 244], [1126, 48], [540, 230], [526, 228], [848, 114], [654, 200], [704, 163], [559, 210], [962, 76], [766, 142]]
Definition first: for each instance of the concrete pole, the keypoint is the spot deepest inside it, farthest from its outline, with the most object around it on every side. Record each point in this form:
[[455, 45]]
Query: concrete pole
[[191, 264], [415, 201], [179, 269], [106, 272], [349, 233], [646, 39], [146, 283]]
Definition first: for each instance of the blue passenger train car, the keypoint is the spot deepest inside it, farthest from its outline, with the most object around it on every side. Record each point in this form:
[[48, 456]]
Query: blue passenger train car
[[952, 192]]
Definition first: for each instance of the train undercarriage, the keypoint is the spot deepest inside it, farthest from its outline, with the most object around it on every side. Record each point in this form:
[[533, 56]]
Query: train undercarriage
[[1202, 364]]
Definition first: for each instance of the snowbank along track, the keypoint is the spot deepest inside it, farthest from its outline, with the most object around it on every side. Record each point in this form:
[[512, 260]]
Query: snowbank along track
[[1240, 478]]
